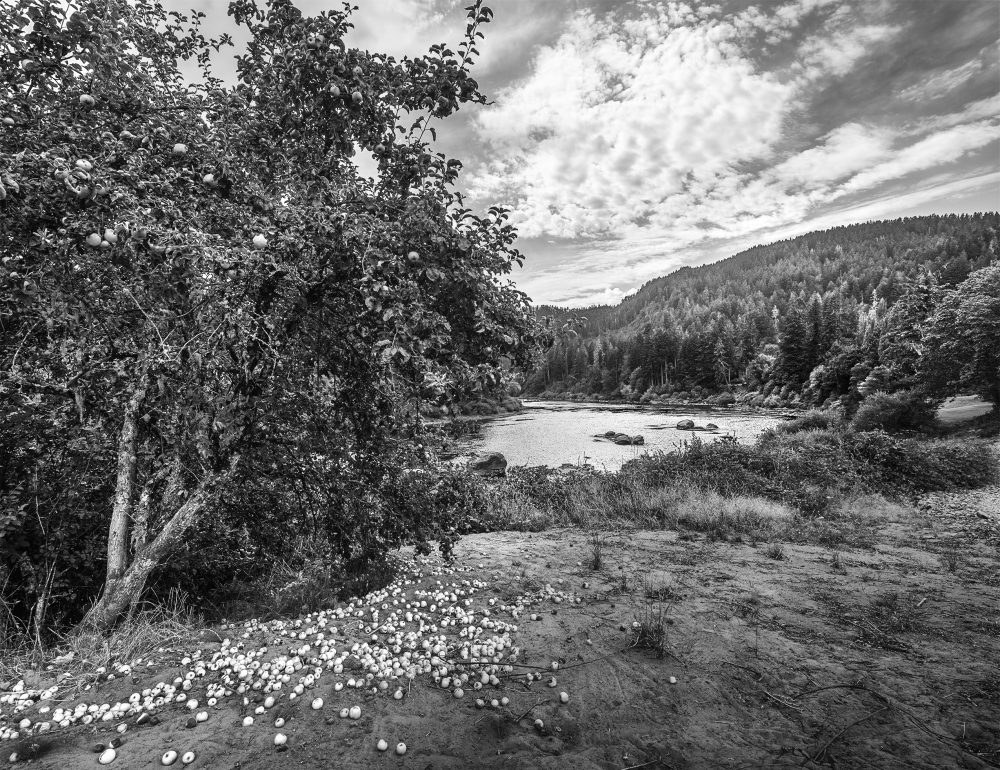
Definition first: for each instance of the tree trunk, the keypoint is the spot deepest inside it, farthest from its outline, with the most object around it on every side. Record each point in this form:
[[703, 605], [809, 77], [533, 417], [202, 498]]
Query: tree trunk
[[124, 486], [123, 592]]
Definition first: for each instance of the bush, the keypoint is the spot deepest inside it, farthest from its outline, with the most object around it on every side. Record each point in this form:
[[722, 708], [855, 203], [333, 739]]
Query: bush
[[911, 466], [893, 412], [814, 419]]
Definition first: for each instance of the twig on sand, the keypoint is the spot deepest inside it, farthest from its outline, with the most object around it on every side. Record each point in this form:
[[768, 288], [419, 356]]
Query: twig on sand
[[889, 704], [658, 760], [530, 710], [822, 750], [748, 669]]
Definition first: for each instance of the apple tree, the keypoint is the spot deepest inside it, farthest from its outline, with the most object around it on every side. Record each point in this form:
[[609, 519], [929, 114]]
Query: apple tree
[[198, 292]]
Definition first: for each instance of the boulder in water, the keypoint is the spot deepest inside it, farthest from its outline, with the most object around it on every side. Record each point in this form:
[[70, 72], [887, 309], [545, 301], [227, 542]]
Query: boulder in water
[[489, 464], [685, 425], [711, 426]]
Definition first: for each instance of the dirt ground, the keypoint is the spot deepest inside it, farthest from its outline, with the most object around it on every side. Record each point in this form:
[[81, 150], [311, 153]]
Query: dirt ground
[[803, 656]]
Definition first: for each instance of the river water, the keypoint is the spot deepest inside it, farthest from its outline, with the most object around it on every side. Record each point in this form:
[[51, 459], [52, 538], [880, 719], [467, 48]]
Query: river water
[[556, 432]]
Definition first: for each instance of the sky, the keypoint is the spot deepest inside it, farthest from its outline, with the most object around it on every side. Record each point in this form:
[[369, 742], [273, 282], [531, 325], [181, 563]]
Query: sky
[[633, 137]]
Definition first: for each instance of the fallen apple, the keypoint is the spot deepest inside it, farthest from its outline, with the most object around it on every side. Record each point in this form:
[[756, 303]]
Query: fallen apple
[[259, 242]]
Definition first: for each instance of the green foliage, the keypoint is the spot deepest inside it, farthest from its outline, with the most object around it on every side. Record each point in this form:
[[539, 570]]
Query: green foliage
[[811, 469], [910, 466], [814, 419], [892, 412], [201, 294], [962, 341], [799, 314]]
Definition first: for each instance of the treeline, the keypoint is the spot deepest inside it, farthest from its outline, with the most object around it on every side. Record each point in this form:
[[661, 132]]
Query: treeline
[[836, 314]]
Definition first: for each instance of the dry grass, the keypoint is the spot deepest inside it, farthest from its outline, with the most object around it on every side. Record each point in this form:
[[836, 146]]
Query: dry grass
[[633, 503], [77, 656], [727, 518], [650, 629]]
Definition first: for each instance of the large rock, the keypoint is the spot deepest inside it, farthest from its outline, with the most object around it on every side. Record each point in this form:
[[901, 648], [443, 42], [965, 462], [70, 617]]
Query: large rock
[[685, 425], [489, 464], [711, 426], [626, 440]]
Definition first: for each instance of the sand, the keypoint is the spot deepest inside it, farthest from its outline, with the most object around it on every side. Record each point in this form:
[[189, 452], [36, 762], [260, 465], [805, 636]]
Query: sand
[[882, 657]]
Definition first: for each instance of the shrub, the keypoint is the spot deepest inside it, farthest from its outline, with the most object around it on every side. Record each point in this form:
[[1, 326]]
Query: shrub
[[908, 466], [892, 412], [814, 419]]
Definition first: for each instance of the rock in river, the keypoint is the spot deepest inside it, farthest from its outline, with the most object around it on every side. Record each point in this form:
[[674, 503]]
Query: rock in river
[[685, 425], [489, 464]]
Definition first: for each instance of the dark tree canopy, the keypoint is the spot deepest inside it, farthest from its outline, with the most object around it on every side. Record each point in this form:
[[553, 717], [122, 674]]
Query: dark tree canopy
[[835, 314], [199, 291]]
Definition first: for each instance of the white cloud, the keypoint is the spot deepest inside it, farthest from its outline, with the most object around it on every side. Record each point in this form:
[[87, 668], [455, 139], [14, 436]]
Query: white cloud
[[613, 125], [972, 112], [656, 133], [402, 27], [835, 53], [935, 150], [844, 151], [945, 81]]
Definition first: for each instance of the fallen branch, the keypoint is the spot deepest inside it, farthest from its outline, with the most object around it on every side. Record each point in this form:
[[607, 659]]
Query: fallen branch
[[530, 710], [818, 755]]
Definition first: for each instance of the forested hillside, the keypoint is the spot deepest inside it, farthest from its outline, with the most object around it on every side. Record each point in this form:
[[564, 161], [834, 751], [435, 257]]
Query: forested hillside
[[832, 314]]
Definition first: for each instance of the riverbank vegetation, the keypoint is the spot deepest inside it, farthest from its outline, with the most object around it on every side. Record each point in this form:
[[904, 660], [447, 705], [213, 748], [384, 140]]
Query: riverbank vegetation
[[805, 473], [828, 318]]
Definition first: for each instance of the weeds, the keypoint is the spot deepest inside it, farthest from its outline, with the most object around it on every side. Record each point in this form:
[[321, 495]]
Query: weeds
[[775, 551], [651, 629], [596, 551], [622, 586], [138, 637], [655, 592]]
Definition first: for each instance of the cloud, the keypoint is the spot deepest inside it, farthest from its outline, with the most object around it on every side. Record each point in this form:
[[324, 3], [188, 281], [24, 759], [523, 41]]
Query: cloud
[[844, 151], [836, 54], [945, 81], [934, 151], [640, 139], [613, 123]]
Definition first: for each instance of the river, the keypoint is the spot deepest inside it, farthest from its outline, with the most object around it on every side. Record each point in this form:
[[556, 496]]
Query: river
[[556, 432]]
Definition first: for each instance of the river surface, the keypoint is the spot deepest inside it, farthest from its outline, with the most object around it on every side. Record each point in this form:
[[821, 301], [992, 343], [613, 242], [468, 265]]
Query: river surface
[[556, 432]]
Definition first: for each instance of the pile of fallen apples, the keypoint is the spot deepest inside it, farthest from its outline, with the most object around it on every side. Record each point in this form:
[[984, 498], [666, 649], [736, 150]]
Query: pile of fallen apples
[[417, 627]]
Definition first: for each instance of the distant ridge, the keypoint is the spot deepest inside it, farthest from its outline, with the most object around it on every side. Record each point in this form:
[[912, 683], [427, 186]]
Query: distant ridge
[[702, 327]]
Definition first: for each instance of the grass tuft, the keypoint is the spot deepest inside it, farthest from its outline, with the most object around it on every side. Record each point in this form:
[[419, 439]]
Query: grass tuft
[[650, 629]]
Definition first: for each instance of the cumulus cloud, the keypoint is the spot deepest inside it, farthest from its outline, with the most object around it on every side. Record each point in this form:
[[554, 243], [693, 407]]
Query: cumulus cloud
[[654, 133], [612, 123]]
